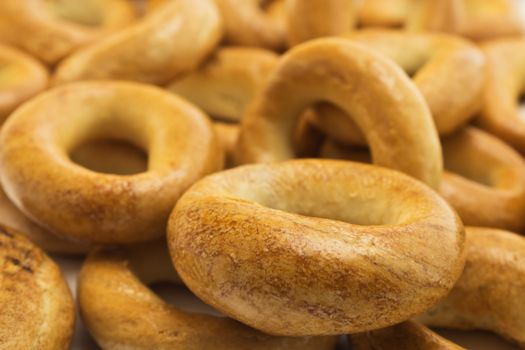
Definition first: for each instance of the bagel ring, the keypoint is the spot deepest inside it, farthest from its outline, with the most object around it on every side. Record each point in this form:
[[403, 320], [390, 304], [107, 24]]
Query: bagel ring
[[52, 29], [368, 249], [489, 294], [109, 283], [408, 335], [74, 202], [254, 23], [37, 308], [505, 84], [484, 178], [474, 19], [21, 77], [172, 40], [311, 19], [226, 83], [431, 59], [353, 78]]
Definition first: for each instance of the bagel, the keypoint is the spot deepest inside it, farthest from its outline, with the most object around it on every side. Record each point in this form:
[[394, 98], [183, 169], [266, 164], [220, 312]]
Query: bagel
[[385, 13], [354, 78], [474, 19], [116, 317], [21, 77], [226, 83], [484, 178], [166, 43], [431, 59], [52, 29], [254, 23], [37, 308], [408, 335], [369, 248], [505, 77], [489, 294], [311, 19], [74, 202]]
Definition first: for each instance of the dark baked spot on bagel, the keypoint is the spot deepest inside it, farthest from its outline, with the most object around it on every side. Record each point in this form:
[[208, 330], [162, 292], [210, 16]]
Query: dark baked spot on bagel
[[19, 263]]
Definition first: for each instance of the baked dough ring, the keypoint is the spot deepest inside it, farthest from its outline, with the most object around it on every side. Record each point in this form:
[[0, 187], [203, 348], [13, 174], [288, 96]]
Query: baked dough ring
[[369, 87], [72, 201], [247, 23], [431, 59], [474, 19], [368, 249], [121, 312], [408, 335], [226, 83], [489, 294], [311, 19], [21, 77], [52, 29], [385, 13], [37, 308], [505, 85], [169, 41], [484, 178]]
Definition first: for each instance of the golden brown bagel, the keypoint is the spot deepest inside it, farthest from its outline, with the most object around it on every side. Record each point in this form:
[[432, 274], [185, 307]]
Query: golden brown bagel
[[52, 29], [254, 23], [227, 82], [369, 87], [311, 19], [431, 59], [489, 294], [72, 201], [21, 77], [121, 312], [385, 13], [484, 178], [172, 40], [37, 308], [505, 78], [329, 247], [408, 335], [474, 19]]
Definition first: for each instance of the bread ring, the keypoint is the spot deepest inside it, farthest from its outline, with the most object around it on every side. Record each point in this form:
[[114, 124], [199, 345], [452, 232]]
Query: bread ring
[[21, 77], [109, 284], [484, 178], [474, 19], [354, 78], [385, 13], [505, 85], [489, 294], [286, 246], [248, 23], [168, 42], [37, 308], [311, 19], [408, 335], [102, 208], [52, 29], [431, 59], [225, 85]]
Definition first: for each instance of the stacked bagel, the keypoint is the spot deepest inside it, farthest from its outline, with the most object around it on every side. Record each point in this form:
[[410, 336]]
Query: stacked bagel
[[313, 170]]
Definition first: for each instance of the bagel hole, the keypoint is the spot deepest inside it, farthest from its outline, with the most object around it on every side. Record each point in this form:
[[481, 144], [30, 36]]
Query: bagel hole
[[83, 12], [110, 157]]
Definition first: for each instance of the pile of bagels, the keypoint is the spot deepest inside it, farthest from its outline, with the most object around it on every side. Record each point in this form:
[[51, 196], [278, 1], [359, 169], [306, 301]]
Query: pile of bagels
[[311, 169]]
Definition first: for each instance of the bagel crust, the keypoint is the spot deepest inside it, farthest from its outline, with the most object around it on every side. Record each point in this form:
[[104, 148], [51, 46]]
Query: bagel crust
[[43, 182], [266, 245], [121, 312], [375, 93], [489, 294], [37, 308]]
